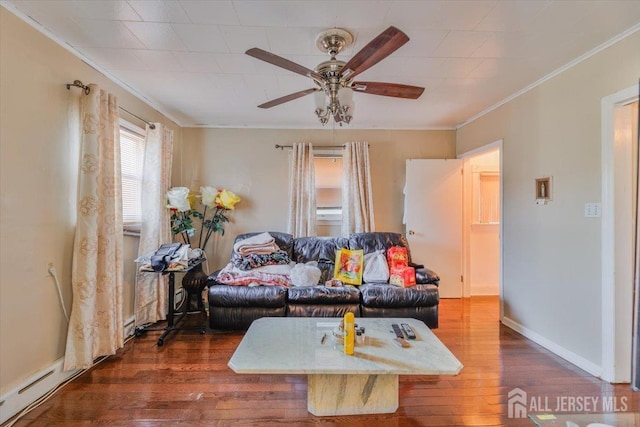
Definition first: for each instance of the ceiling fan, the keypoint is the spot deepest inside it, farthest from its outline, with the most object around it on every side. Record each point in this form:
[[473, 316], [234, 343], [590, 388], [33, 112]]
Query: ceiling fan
[[334, 78]]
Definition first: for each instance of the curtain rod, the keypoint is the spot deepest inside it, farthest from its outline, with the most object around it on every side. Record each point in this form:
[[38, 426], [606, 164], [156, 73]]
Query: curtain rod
[[282, 147], [87, 90]]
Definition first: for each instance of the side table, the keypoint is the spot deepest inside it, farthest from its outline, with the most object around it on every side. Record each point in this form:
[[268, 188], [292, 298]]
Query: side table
[[172, 322]]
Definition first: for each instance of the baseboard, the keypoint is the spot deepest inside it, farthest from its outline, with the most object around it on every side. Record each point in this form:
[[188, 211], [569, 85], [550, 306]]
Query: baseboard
[[553, 347], [32, 389], [485, 289], [41, 383], [129, 326]]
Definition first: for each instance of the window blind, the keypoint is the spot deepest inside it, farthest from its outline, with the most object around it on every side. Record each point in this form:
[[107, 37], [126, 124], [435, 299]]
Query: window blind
[[489, 198], [328, 177], [131, 156]]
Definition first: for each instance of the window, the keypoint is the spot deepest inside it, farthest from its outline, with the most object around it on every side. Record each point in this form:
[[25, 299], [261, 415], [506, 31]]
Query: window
[[328, 170], [487, 204], [131, 157]]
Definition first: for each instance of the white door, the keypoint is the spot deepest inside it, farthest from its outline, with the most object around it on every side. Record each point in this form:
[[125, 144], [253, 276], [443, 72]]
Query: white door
[[433, 209]]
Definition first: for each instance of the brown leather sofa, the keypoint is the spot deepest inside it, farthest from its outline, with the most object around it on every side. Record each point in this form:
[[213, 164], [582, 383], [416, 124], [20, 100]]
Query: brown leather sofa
[[235, 307]]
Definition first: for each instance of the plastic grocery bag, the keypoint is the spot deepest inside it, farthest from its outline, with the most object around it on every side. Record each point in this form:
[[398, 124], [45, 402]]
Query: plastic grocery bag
[[375, 267], [305, 274]]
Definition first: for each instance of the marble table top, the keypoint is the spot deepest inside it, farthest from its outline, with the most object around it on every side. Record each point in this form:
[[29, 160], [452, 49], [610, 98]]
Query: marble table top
[[294, 345]]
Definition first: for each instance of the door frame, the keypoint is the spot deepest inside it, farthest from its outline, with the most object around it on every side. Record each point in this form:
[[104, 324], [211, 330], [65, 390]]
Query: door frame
[[613, 348], [466, 229]]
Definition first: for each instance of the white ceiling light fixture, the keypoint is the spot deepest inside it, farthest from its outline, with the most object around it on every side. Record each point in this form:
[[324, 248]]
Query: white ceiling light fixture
[[334, 78]]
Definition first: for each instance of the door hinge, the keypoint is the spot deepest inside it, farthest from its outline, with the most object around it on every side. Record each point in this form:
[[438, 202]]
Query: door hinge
[[462, 278]]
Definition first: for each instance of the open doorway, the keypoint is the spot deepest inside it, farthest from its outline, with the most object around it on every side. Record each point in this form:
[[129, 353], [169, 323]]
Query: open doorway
[[482, 216]]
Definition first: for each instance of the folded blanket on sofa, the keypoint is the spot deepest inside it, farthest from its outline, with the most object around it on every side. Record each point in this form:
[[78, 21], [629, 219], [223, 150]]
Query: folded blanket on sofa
[[259, 260], [262, 243], [269, 275]]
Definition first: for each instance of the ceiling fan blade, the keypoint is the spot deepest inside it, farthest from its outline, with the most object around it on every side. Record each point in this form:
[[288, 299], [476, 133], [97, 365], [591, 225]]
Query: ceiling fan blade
[[286, 98], [389, 89], [282, 62], [379, 48]]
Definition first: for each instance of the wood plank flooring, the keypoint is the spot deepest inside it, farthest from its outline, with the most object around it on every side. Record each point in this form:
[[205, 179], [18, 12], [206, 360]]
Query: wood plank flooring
[[187, 383]]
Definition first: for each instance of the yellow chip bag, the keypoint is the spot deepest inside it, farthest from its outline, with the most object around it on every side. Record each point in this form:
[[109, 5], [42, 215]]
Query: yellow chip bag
[[348, 267]]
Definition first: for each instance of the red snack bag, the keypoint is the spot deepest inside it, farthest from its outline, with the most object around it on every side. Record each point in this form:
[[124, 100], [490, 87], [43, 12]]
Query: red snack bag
[[397, 257], [402, 276]]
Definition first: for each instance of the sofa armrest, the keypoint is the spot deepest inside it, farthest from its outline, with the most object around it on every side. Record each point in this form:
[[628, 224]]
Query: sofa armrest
[[211, 280], [426, 276]]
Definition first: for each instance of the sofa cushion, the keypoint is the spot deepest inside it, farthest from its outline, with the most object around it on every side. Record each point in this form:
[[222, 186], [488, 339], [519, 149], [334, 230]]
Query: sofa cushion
[[283, 240], [322, 310], [240, 318], [381, 295], [375, 241], [324, 295], [247, 296], [321, 249]]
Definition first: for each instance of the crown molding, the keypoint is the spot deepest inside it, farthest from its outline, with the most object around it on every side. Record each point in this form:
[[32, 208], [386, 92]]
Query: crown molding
[[553, 74]]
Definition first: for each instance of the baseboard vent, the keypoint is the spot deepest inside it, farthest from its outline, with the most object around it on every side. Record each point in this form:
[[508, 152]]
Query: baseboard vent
[[36, 381], [32, 389], [42, 382], [129, 326]]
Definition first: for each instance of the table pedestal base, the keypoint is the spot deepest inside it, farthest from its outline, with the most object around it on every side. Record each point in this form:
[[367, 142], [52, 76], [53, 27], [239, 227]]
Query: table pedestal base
[[352, 394]]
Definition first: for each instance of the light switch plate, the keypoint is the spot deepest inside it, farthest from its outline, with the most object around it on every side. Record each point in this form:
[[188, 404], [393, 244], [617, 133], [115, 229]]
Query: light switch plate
[[592, 210]]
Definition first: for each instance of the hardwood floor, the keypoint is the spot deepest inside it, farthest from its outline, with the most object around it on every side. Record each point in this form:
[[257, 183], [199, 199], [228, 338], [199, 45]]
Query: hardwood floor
[[187, 383]]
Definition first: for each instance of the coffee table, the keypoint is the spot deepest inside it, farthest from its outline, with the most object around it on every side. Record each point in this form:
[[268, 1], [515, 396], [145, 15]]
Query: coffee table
[[338, 384]]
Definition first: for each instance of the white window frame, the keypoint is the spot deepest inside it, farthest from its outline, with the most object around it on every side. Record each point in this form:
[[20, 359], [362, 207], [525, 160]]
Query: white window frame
[[334, 214], [481, 199], [131, 221]]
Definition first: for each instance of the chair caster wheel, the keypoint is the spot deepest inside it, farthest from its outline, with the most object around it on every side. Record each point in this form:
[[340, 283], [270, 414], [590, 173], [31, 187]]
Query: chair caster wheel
[[202, 331], [160, 342]]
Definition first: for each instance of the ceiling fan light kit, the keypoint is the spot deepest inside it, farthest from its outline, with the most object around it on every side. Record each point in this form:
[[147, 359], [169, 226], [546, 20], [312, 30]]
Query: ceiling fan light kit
[[334, 78]]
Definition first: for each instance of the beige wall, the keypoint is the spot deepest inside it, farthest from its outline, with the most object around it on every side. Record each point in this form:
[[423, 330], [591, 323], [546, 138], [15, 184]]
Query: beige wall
[[245, 161], [552, 273], [39, 157]]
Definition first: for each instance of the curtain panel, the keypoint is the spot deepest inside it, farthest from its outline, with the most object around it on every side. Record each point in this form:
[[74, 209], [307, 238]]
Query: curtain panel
[[302, 191], [96, 323], [155, 229], [357, 198]]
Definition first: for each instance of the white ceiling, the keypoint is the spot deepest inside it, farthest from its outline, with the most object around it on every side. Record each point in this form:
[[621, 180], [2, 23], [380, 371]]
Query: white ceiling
[[186, 58]]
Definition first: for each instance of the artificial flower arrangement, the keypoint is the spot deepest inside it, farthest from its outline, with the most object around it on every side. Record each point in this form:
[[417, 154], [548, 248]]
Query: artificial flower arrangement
[[215, 202]]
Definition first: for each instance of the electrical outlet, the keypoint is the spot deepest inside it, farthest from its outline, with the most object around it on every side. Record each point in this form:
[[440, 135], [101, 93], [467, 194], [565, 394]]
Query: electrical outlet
[[592, 210]]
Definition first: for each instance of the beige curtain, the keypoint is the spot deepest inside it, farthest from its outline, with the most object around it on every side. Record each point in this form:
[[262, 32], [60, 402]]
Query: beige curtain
[[155, 229], [357, 199], [96, 325], [302, 191]]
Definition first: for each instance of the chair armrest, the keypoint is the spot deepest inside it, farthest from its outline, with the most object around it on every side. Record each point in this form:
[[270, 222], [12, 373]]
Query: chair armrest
[[426, 276]]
